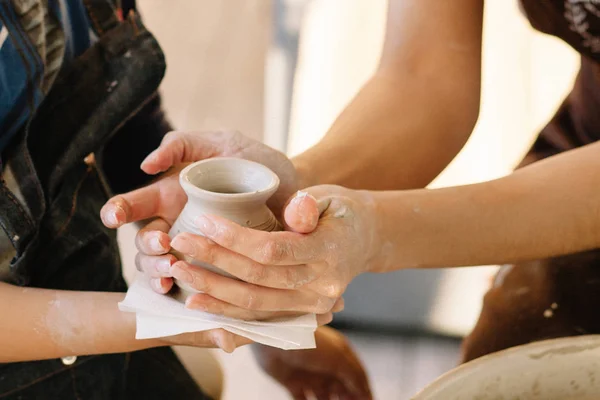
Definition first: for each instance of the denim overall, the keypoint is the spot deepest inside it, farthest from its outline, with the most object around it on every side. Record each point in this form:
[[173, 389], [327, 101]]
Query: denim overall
[[59, 240]]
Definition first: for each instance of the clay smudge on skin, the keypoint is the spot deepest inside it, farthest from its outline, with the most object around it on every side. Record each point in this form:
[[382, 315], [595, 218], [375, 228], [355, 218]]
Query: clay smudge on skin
[[63, 322], [342, 212]]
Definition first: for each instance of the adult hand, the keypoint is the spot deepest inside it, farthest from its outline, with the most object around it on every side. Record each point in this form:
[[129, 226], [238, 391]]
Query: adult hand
[[164, 199], [331, 371], [214, 338], [283, 271]]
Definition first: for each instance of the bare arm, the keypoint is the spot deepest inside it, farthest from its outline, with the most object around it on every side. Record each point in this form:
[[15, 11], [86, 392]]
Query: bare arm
[[415, 114], [549, 208], [40, 324]]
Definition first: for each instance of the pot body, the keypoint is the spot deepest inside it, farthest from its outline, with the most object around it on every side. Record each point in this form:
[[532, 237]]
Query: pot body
[[230, 188]]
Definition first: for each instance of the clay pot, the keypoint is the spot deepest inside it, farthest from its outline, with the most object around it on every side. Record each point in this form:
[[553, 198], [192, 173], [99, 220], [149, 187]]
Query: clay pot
[[231, 188], [557, 369]]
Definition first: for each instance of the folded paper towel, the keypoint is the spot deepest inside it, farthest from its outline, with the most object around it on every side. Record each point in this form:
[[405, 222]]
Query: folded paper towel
[[158, 315]]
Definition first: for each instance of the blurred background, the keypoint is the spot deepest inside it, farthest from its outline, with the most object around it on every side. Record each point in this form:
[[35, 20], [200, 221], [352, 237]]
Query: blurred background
[[280, 71]]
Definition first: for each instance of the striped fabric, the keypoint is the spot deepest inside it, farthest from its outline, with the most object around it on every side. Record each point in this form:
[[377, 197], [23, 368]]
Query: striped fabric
[[45, 33], [36, 38]]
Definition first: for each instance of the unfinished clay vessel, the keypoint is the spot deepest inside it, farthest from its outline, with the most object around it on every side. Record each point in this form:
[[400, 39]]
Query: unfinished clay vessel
[[231, 188], [556, 369]]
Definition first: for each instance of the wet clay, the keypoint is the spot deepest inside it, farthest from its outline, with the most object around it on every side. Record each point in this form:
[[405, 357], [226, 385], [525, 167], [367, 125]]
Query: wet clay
[[230, 188]]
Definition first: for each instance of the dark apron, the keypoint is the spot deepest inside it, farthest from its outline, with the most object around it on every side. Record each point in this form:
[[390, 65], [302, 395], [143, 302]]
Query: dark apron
[[59, 239], [555, 297]]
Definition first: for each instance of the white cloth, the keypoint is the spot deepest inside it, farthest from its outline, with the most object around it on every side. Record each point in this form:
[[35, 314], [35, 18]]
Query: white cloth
[[160, 315]]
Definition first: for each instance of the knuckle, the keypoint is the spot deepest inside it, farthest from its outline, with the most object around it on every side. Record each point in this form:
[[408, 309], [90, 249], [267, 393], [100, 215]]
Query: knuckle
[[205, 250], [225, 237], [203, 284], [252, 302], [334, 290], [273, 252], [256, 273], [332, 255], [294, 278], [323, 305]]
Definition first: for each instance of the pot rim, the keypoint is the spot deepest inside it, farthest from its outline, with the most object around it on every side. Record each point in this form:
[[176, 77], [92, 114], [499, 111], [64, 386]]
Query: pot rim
[[534, 349], [194, 190]]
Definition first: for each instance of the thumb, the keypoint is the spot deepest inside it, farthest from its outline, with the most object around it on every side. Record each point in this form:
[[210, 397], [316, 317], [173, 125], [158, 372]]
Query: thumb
[[163, 198], [301, 213], [175, 148], [134, 206]]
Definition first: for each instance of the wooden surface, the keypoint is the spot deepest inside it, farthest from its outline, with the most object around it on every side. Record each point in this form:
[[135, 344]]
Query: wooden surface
[[215, 53]]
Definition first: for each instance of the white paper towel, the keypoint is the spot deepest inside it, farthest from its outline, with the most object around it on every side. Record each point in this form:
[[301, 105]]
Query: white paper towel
[[160, 315]]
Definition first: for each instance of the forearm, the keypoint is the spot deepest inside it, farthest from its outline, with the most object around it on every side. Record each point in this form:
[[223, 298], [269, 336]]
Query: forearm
[[393, 135], [549, 208], [42, 324], [414, 115]]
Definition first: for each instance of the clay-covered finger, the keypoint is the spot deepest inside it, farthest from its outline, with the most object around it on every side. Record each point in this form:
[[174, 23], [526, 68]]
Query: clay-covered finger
[[155, 266], [220, 338], [207, 303], [161, 285], [278, 276], [182, 147], [133, 206], [267, 248], [153, 238], [301, 213], [247, 295]]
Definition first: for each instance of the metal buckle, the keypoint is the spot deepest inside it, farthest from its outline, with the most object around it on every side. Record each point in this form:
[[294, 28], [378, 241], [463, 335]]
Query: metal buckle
[[70, 360]]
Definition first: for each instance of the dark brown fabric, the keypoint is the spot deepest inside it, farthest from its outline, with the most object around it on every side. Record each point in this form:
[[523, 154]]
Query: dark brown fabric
[[560, 296], [577, 22]]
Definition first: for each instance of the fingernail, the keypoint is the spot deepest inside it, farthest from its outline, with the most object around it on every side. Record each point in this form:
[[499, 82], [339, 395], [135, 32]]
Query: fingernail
[[182, 274], [111, 216], [164, 266], [206, 225], [156, 284], [156, 245], [183, 245]]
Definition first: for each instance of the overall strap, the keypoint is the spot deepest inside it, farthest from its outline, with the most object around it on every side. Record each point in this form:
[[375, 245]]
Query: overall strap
[[14, 220], [92, 98], [17, 224], [104, 15]]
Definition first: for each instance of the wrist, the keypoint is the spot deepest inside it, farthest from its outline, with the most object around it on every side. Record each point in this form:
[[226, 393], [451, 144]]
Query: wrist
[[304, 172], [376, 254]]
